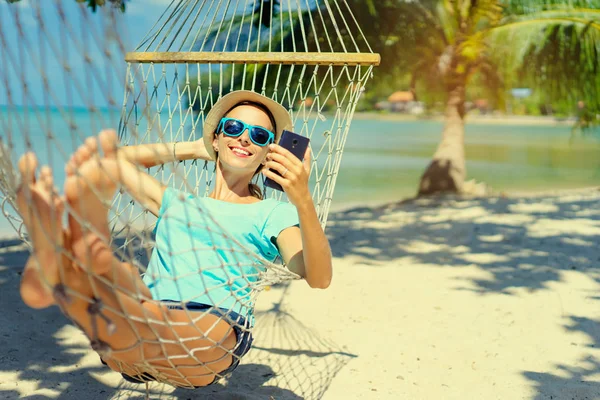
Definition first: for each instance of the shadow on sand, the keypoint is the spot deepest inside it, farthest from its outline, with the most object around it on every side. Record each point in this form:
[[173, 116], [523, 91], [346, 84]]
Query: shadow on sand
[[42, 348], [520, 242]]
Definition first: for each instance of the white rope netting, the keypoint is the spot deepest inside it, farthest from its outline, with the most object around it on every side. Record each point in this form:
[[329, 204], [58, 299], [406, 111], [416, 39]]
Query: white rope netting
[[62, 81]]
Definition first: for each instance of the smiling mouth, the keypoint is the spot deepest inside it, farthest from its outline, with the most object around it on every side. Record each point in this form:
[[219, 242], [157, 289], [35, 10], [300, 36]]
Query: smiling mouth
[[240, 152]]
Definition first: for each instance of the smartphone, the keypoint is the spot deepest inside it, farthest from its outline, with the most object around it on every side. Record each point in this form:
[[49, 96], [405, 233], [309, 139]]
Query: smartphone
[[297, 145]]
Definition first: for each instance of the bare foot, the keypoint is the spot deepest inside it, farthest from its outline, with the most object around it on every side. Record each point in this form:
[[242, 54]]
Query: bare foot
[[108, 141], [42, 210], [90, 185]]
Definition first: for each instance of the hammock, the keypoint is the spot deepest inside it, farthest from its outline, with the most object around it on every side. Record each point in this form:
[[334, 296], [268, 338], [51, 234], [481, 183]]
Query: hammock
[[310, 56]]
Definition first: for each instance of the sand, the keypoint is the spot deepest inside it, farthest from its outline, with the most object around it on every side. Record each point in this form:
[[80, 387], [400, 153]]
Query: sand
[[490, 298]]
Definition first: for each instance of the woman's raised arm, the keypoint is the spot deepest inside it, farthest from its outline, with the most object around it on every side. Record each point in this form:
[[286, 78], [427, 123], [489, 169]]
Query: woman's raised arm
[[149, 155]]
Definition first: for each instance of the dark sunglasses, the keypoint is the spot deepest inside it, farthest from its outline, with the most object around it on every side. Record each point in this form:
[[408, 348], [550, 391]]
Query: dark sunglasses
[[234, 128]]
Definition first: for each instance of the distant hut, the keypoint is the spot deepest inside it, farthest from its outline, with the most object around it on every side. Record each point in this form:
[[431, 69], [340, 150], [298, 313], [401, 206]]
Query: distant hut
[[482, 105], [401, 101]]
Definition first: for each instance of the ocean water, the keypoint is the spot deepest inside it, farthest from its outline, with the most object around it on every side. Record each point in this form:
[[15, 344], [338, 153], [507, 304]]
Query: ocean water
[[385, 159], [382, 160]]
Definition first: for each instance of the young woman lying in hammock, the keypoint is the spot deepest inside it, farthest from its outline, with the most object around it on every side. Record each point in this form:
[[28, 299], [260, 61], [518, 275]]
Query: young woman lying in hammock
[[186, 321]]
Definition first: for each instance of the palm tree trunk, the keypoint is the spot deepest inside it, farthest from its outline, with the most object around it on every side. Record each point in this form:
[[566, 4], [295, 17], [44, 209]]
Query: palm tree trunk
[[447, 171]]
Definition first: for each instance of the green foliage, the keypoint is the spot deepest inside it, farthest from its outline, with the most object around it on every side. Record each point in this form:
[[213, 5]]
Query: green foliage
[[94, 4], [489, 46], [554, 50], [588, 120], [524, 7], [552, 46]]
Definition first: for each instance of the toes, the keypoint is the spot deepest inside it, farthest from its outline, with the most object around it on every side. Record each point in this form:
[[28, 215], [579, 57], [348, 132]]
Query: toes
[[91, 144], [108, 142], [46, 179], [88, 149], [27, 166], [70, 166], [85, 151]]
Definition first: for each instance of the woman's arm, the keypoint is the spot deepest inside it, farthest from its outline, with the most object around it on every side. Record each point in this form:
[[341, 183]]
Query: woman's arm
[[305, 250], [149, 155], [145, 189]]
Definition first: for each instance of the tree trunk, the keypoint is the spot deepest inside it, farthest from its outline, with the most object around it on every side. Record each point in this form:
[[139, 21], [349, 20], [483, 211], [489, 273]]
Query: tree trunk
[[447, 171]]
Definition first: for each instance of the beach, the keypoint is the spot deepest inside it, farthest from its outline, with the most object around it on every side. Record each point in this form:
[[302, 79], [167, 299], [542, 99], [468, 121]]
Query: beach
[[448, 298]]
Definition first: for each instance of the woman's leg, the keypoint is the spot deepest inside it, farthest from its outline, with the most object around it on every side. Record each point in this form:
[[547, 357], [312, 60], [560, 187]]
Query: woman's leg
[[136, 328], [41, 209]]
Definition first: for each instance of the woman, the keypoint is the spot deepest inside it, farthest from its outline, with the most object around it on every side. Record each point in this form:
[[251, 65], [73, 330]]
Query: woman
[[186, 321]]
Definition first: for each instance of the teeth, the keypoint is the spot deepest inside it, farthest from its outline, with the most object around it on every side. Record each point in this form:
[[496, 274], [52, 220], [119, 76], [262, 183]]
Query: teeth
[[240, 151]]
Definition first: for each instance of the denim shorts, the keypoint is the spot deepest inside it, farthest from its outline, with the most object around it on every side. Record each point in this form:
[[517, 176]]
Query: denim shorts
[[244, 337]]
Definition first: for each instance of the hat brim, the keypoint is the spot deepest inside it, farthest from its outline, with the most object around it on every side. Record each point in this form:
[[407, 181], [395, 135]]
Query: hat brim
[[282, 118]]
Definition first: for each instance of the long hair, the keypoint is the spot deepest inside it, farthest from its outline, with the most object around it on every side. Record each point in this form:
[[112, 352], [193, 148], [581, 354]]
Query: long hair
[[253, 188]]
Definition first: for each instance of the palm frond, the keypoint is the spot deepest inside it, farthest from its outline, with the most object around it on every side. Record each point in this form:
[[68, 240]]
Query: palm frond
[[557, 50], [482, 13], [494, 83], [449, 19], [529, 7]]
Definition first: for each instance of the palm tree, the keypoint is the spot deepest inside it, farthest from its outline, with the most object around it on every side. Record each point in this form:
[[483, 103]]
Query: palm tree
[[551, 46], [445, 45]]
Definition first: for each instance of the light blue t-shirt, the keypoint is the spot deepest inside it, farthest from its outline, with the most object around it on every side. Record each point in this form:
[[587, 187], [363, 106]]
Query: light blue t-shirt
[[206, 249]]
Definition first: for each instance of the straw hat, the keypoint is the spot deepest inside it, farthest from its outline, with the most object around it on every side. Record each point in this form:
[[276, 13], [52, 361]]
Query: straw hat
[[282, 118]]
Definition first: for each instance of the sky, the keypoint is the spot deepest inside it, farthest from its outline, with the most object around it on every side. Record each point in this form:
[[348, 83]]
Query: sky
[[54, 56], [59, 53]]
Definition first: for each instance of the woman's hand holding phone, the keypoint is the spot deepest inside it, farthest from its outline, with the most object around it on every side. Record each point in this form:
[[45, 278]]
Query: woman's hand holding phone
[[293, 172]]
